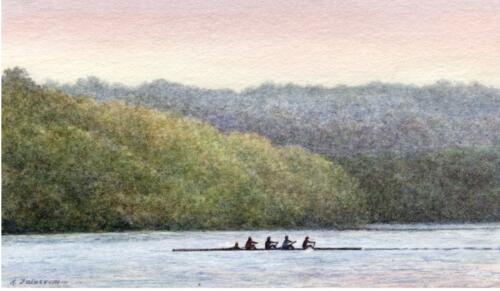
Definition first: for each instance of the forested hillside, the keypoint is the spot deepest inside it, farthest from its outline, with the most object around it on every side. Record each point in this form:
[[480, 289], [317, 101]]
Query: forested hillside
[[338, 122], [77, 164], [421, 154], [72, 164], [452, 185]]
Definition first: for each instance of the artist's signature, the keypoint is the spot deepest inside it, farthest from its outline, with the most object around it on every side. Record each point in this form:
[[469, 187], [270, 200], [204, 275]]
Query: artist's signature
[[35, 282]]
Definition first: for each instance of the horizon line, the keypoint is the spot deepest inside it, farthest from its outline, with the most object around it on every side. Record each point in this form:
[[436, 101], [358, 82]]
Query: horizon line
[[48, 80]]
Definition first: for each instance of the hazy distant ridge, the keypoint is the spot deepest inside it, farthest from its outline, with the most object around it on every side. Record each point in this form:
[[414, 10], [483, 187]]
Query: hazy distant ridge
[[340, 122]]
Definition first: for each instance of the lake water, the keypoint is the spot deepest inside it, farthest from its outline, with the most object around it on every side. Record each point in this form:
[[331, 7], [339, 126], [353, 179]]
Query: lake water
[[134, 259]]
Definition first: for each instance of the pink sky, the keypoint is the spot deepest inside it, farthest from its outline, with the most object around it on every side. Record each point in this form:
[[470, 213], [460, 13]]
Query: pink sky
[[231, 43]]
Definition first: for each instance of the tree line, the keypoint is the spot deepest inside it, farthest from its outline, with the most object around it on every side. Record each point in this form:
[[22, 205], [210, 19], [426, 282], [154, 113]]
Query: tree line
[[74, 164], [338, 122]]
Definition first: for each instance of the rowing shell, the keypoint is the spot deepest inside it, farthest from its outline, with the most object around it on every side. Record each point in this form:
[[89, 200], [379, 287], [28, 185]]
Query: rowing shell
[[232, 249], [349, 249]]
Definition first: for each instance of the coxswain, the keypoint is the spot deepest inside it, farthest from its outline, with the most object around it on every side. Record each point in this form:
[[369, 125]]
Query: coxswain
[[308, 243], [250, 245]]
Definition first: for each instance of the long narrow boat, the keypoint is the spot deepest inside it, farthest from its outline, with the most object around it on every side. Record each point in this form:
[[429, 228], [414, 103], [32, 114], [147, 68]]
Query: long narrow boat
[[350, 249], [233, 249]]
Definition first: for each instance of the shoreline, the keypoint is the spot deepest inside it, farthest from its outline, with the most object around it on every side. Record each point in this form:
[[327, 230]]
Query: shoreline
[[418, 226]]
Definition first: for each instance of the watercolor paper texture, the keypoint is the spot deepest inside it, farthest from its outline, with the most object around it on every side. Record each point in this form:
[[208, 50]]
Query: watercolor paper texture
[[176, 143], [236, 44]]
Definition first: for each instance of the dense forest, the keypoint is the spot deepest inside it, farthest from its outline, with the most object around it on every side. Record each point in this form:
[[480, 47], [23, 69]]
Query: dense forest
[[337, 122], [452, 185], [421, 154], [72, 164], [92, 156]]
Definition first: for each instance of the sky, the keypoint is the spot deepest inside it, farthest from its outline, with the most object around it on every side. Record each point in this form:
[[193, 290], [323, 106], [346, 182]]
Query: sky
[[236, 44]]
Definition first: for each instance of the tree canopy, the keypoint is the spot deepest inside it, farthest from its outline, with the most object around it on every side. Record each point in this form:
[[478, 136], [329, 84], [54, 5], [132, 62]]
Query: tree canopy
[[73, 164]]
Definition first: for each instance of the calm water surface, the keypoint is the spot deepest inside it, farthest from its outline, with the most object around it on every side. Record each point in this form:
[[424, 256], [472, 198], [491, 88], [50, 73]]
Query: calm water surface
[[145, 259]]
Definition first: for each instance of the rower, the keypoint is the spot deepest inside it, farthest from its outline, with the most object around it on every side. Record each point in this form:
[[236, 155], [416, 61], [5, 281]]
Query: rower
[[250, 245], [287, 244], [270, 244], [236, 246], [308, 243]]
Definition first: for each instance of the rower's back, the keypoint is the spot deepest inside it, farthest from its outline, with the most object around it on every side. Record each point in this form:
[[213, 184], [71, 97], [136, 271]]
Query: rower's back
[[250, 244], [305, 244], [287, 244], [267, 245]]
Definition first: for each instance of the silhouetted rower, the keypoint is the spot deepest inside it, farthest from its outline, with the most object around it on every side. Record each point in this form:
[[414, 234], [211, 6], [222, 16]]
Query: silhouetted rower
[[270, 244], [288, 244], [308, 243], [250, 245]]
